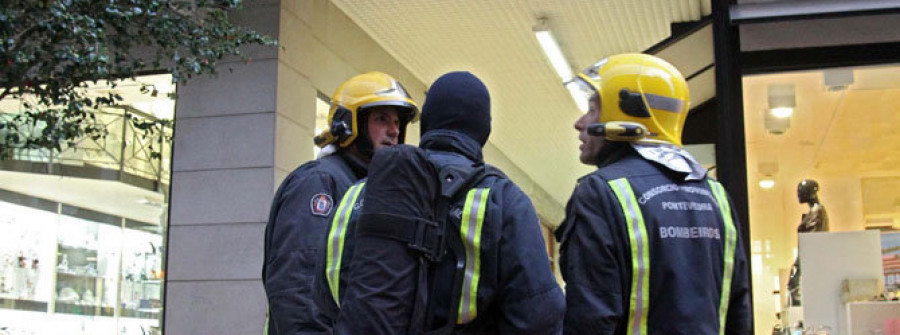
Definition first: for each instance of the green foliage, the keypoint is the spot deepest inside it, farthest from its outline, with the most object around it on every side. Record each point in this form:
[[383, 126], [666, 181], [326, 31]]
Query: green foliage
[[52, 49]]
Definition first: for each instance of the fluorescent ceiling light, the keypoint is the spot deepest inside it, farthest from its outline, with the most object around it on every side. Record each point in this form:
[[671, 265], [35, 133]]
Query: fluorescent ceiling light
[[782, 112], [553, 52], [558, 61]]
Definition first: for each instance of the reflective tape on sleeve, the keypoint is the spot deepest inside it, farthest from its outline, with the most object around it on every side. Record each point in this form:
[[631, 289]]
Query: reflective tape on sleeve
[[730, 244], [640, 257], [470, 233], [336, 240]]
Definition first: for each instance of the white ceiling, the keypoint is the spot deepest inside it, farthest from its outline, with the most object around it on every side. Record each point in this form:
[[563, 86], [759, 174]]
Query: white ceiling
[[834, 135], [110, 197], [532, 112]]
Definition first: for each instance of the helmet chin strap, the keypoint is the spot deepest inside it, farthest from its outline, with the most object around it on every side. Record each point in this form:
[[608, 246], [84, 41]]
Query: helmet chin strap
[[611, 152], [357, 152], [363, 141]]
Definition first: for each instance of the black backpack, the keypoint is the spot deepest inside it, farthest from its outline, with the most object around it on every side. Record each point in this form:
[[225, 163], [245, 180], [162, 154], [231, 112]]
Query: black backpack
[[401, 235]]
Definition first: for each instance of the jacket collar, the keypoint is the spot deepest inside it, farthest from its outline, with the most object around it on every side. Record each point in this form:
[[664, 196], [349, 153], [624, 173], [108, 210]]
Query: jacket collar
[[673, 158], [358, 166], [448, 140]]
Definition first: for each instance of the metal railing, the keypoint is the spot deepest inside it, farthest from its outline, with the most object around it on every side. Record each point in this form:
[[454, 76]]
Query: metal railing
[[125, 148]]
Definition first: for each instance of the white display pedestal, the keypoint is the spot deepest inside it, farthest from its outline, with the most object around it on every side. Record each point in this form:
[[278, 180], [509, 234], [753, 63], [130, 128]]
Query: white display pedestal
[[867, 317], [826, 259]]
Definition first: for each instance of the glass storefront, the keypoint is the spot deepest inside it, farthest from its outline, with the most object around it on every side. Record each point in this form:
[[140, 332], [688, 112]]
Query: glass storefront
[[78, 273], [83, 243], [831, 126]]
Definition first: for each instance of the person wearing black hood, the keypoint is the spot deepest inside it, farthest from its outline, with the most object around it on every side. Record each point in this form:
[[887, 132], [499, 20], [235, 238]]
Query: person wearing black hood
[[368, 112], [491, 274]]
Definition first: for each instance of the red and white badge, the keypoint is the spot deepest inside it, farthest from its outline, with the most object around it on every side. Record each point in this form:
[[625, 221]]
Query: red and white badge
[[321, 204]]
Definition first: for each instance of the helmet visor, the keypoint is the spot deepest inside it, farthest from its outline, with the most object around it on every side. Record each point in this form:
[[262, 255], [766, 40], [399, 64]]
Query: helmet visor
[[396, 91], [396, 95], [592, 72], [582, 91], [586, 84]]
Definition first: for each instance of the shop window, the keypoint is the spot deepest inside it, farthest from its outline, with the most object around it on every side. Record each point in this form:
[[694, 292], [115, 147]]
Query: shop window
[[83, 242], [834, 127]]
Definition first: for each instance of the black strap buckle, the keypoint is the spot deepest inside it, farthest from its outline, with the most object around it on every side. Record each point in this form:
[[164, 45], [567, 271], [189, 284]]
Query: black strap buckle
[[427, 239]]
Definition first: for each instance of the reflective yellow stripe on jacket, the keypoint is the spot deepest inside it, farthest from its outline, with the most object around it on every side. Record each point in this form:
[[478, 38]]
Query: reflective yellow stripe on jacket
[[470, 232], [637, 234], [730, 245], [336, 240], [640, 258]]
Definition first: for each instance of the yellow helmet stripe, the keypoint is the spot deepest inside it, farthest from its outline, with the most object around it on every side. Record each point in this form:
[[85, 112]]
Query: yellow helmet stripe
[[664, 103]]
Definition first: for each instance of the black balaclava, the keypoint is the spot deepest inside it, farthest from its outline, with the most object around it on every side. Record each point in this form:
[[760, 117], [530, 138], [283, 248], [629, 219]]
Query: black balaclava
[[458, 101]]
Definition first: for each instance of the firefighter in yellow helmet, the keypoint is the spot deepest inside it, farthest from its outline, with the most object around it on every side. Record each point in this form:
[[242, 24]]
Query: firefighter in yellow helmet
[[368, 112], [649, 244]]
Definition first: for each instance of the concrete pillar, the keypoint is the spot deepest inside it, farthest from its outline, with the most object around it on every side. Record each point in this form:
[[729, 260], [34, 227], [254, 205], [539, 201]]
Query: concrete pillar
[[222, 181]]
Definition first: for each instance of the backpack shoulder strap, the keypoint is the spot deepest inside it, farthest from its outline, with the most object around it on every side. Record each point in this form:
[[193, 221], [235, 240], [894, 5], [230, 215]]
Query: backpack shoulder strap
[[456, 180]]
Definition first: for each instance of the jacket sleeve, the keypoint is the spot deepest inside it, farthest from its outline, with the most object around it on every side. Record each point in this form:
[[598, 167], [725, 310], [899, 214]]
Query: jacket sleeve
[[321, 293], [740, 317], [532, 301], [591, 260], [294, 235]]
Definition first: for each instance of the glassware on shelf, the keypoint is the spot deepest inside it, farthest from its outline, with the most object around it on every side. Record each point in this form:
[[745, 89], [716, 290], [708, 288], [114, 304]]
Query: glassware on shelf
[[88, 297], [64, 263], [68, 294]]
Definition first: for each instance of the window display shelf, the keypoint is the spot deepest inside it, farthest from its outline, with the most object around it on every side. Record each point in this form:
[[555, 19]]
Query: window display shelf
[[63, 275], [150, 314], [66, 272], [63, 246], [83, 309], [23, 305]]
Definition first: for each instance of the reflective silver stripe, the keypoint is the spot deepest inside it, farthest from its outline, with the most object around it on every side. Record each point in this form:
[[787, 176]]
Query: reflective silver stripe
[[640, 257], [730, 244], [664, 103], [336, 240], [470, 232]]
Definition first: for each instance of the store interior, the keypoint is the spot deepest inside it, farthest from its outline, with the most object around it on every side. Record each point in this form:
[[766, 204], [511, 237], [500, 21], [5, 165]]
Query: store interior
[[83, 247], [833, 126]]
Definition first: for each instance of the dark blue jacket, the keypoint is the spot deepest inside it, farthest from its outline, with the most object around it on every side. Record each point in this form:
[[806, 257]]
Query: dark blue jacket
[[516, 293], [685, 243], [300, 216]]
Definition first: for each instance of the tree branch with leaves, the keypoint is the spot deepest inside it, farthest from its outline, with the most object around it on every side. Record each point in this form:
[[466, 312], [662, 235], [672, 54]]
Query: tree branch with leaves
[[51, 50]]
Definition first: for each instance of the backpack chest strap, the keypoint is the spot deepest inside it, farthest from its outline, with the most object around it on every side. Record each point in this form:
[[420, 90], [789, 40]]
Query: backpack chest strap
[[423, 236]]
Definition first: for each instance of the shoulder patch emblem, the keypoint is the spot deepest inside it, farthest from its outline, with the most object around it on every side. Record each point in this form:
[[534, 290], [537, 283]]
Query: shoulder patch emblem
[[321, 204]]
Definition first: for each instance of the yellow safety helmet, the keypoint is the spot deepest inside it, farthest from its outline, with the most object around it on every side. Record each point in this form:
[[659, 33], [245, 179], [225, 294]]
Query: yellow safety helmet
[[638, 91], [354, 96]]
